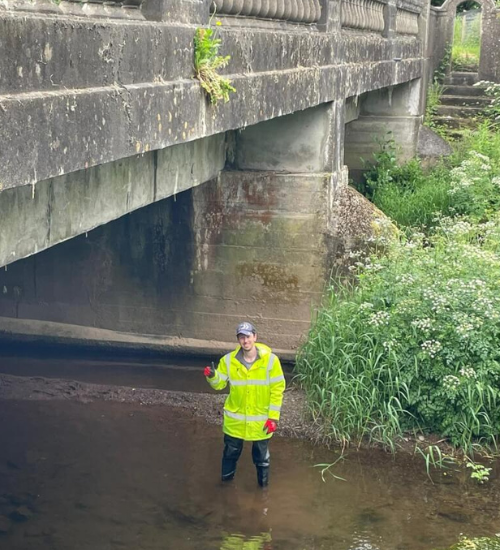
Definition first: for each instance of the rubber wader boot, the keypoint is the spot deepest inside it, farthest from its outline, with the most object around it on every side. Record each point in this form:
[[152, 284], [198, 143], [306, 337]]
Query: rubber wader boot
[[263, 475], [228, 469]]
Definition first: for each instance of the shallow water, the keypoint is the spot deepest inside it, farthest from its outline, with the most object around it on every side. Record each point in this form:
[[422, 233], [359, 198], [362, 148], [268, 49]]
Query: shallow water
[[179, 374], [109, 475], [175, 374]]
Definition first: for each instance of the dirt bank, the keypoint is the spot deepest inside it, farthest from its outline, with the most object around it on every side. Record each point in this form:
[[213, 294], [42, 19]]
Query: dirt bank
[[295, 421]]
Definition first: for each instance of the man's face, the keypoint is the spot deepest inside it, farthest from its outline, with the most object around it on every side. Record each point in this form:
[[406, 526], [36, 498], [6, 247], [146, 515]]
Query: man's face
[[247, 342]]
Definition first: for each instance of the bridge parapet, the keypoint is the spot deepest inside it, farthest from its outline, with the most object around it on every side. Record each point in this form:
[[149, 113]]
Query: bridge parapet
[[378, 16], [299, 11], [407, 22], [112, 9], [363, 15]]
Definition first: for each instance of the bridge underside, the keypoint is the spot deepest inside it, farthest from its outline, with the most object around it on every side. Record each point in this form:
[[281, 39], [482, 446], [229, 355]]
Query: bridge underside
[[246, 224], [129, 202]]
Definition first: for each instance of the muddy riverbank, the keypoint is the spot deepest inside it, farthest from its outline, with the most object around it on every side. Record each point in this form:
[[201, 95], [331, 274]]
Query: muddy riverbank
[[295, 421]]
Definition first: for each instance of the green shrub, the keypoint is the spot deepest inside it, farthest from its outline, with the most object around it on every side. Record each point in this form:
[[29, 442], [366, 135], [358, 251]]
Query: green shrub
[[491, 89], [414, 344], [406, 193], [465, 184]]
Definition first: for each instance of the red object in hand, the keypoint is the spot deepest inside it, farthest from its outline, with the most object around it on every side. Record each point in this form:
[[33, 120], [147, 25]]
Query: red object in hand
[[270, 426], [208, 372]]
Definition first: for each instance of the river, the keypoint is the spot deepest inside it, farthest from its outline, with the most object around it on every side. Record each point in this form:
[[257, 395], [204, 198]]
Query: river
[[108, 475]]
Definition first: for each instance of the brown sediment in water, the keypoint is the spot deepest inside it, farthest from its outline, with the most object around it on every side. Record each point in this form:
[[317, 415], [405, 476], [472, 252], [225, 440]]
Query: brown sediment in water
[[295, 419], [295, 422]]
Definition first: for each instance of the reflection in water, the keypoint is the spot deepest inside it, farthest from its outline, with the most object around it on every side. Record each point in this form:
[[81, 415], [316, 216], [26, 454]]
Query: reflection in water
[[240, 542], [113, 476]]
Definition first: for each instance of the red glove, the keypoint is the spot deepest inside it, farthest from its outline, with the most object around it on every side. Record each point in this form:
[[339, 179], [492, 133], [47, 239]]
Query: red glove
[[209, 372], [270, 426]]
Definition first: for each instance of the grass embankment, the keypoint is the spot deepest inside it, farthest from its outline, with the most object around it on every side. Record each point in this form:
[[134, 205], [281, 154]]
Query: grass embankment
[[411, 346]]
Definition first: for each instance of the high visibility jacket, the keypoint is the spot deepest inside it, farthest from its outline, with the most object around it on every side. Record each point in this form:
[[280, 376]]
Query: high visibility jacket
[[256, 394]]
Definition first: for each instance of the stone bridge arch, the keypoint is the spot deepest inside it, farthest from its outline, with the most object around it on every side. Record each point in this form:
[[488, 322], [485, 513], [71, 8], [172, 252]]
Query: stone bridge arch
[[489, 62]]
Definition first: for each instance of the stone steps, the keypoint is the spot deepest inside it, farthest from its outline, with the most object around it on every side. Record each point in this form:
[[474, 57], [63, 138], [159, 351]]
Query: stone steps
[[462, 91], [459, 111], [461, 79], [460, 104], [455, 122], [465, 100]]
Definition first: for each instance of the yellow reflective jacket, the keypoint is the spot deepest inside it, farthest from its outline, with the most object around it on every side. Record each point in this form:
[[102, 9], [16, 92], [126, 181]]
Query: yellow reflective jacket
[[255, 394]]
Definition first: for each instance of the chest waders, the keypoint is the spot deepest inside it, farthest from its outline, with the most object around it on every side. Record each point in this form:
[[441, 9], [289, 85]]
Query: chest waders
[[255, 396]]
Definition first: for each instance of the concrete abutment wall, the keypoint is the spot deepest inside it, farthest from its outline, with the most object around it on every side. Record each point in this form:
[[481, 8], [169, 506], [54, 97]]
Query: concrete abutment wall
[[390, 113]]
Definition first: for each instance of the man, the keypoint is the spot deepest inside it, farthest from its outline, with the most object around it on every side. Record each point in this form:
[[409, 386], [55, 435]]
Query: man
[[252, 408]]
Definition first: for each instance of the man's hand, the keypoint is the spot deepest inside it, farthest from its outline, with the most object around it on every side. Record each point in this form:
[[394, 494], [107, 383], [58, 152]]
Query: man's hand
[[270, 426], [209, 372]]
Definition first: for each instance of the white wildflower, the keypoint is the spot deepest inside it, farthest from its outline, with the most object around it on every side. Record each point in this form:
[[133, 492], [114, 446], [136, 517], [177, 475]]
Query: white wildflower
[[379, 318], [468, 372], [451, 382], [431, 347], [422, 324]]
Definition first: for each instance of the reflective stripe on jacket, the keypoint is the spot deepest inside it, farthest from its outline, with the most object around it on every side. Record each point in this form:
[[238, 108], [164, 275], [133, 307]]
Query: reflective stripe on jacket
[[255, 394]]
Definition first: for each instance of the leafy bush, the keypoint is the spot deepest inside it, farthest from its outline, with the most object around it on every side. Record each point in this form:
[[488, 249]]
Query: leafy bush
[[405, 192], [412, 344], [491, 89], [466, 183]]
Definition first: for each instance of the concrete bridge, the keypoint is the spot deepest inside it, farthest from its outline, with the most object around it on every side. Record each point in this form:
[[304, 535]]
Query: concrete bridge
[[128, 202]]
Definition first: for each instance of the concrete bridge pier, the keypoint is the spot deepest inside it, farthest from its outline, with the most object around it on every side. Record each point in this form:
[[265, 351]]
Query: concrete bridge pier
[[375, 117], [263, 228]]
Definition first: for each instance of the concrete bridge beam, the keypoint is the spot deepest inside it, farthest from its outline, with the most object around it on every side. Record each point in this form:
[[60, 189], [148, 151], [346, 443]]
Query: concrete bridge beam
[[37, 217]]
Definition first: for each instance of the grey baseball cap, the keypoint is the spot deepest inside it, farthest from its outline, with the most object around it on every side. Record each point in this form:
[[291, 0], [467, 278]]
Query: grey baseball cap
[[246, 329]]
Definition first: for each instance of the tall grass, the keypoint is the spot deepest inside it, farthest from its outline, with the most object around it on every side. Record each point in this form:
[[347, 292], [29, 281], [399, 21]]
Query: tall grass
[[414, 345], [411, 196]]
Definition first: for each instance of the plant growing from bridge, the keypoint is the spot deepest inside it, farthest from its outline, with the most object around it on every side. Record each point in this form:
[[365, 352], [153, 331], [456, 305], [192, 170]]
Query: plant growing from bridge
[[207, 62]]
